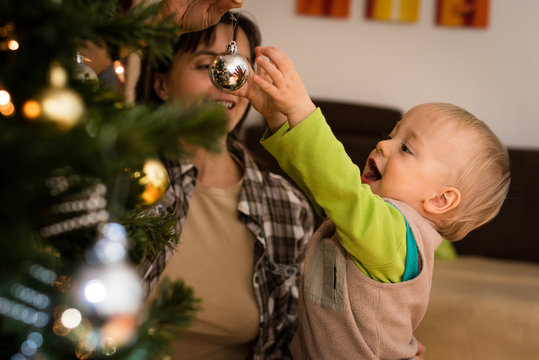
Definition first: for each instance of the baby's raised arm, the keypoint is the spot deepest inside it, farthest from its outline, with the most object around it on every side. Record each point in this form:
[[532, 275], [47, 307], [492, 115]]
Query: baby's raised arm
[[278, 79]]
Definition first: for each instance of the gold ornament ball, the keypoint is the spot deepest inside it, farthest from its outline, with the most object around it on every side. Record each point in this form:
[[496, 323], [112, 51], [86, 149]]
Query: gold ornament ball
[[155, 181]]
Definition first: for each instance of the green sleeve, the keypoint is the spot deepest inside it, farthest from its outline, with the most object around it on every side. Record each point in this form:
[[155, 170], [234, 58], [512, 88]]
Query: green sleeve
[[270, 141], [371, 230]]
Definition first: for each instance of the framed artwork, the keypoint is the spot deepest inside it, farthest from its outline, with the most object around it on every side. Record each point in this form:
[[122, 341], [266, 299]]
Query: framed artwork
[[333, 8], [393, 10], [462, 13]]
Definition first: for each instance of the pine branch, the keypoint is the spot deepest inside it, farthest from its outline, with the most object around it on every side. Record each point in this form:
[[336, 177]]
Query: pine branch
[[43, 224], [125, 30], [172, 311], [143, 130], [149, 233]]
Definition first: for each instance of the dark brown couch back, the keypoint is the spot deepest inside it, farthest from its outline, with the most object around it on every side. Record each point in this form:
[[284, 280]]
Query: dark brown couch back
[[511, 235]]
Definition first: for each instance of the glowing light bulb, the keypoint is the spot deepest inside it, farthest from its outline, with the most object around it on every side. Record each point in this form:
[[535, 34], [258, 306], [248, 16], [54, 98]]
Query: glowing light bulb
[[58, 76], [31, 109], [8, 109], [71, 318], [5, 98], [95, 291], [119, 70], [13, 45]]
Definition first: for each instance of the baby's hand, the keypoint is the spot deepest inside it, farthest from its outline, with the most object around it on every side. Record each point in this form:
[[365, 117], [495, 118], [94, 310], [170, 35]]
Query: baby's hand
[[278, 78], [260, 100]]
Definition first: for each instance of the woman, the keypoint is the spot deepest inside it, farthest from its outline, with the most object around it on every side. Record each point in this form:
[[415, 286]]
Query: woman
[[242, 230]]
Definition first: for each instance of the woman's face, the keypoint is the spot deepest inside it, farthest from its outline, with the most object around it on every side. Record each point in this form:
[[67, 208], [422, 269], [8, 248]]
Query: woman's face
[[188, 77]]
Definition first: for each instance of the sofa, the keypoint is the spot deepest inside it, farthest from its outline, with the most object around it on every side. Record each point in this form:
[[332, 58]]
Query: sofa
[[484, 302]]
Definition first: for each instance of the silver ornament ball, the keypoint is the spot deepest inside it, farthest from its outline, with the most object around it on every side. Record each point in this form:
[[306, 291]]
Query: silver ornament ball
[[229, 71], [82, 71]]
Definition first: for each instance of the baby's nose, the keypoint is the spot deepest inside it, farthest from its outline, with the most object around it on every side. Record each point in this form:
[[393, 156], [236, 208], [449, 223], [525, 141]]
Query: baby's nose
[[383, 147]]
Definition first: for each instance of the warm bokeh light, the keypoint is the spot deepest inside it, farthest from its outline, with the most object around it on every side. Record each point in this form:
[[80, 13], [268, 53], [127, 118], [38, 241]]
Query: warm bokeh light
[[13, 45], [7, 110], [63, 106], [95, 291], [118, 67], [119, 70], [5, 98], [58, 76], [59, 329], [84, 350], [121, 328], [31, 109], [71, 318]]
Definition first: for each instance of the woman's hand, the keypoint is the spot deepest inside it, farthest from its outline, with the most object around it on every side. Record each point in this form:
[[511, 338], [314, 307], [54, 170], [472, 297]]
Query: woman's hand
[[191, 15], [194, 15]]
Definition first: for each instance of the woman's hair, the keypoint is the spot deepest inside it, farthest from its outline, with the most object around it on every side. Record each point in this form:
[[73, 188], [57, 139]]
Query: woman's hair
[[188, 43], [484, 179]]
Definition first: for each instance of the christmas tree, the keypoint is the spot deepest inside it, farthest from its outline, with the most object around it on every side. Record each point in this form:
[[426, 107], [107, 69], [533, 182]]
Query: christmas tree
[[80, 171]]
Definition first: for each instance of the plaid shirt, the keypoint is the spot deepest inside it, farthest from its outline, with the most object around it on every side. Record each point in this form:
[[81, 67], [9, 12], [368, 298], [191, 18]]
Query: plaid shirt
[[280, 218]]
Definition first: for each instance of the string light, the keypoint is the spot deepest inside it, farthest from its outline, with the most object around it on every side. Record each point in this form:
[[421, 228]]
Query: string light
[[31, 109], [7, 33], [71, 318], [6, 106], [57, 76], [119, 70], [7, 110], [13, 45], [95, 291], [5, 98]]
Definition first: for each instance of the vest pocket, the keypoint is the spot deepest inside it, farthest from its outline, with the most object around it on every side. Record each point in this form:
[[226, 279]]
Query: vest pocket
[[325, 276]]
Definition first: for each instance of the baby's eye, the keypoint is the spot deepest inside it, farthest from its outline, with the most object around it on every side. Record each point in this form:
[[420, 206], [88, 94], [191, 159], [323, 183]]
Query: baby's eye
[[405, 148], [203, 66]]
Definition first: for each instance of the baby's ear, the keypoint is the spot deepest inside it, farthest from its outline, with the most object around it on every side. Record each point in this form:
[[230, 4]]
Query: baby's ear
[[446, 200]]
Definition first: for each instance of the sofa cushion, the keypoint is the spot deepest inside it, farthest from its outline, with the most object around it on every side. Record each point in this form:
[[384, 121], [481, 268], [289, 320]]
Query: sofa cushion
[[482, 308]]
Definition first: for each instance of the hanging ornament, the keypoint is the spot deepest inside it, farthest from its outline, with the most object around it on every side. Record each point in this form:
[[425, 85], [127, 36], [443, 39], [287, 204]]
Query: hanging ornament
[[155, 181], [228, 70], [59, 103], [108, 294], [82, 71]]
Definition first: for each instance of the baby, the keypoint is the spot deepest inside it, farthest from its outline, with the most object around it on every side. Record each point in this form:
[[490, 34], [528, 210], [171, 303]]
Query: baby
[[441, 173]]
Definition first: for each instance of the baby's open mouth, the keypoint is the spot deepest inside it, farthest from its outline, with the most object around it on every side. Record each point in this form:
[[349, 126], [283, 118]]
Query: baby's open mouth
[[372, 174]]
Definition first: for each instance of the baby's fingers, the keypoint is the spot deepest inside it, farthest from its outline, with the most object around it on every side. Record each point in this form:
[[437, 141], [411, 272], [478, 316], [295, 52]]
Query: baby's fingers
[[270, 70], [278, 58], [266, 85]]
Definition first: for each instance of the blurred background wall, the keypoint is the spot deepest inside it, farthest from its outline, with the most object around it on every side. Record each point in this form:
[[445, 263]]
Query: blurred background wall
[[492, 72]]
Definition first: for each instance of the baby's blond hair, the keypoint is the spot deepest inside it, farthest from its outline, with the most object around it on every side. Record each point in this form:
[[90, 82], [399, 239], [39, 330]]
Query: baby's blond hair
[[484, 179]]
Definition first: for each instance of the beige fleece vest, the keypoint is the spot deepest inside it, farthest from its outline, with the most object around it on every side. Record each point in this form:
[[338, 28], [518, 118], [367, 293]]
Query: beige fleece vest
[[346, 315]]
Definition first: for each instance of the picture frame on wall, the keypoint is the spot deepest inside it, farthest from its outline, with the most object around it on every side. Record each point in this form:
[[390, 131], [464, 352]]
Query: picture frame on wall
[[406, 11], [330, 8], [463, 13]]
